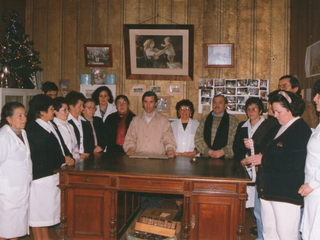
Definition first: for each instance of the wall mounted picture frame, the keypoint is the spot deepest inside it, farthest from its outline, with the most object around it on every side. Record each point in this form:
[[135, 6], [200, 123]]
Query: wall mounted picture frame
[[98, 55], [312, 60], [163, 104], [159, 52], [137, 90], [175, 90], [219, 55]]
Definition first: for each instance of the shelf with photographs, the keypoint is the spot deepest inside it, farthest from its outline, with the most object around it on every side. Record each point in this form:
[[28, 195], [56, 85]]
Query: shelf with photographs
[[237, 91]]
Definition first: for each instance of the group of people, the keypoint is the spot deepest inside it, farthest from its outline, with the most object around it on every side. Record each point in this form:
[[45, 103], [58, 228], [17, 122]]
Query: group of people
[[280, 153]]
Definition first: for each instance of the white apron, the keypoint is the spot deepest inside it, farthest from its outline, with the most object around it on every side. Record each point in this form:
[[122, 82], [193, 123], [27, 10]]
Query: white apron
[[15, 178]]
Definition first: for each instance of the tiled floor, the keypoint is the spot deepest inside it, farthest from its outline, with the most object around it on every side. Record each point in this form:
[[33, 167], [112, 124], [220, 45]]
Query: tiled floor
[[247, 236]]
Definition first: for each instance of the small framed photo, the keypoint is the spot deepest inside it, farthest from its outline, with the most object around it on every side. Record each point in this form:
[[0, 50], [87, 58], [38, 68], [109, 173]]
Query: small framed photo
[[174, 90], [64, 83], [219, 55], [137, 90], [98, 55], [155, 89], [163, 104]]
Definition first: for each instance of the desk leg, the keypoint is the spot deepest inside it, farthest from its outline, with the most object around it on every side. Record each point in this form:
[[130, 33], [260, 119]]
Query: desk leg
[[186, 218], [241, 219], [63, 216], [113, 216]]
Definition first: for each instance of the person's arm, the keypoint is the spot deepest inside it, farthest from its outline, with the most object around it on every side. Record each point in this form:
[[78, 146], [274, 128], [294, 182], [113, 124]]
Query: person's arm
[[233, 123], [168, 139], [199, 142], [130, 142]]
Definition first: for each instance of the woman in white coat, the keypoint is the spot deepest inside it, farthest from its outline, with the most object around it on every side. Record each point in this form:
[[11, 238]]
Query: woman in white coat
[[184, 129], [311, 189], [103, 99], [15, 172]]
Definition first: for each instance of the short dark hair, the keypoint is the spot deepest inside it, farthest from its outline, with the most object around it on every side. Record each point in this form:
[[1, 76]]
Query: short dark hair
[[8, 111], [124, 97], [185, 102], [150, 94], [220, 95], [57, 103], [49, 86], [255, 100], [297, 105], [293, 81], [316, 87], [39, 103], [73, 97], [88, 100], [96, 93], [272, 94]]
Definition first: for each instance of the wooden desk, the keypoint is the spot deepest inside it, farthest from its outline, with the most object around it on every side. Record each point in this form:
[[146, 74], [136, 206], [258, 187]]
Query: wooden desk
[[99, 195]]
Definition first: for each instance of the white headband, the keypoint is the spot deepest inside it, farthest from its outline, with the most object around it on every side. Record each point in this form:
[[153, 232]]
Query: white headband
[[285, 95]]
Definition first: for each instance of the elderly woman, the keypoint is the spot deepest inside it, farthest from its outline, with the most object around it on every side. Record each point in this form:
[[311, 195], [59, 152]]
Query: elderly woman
[[281, 171], [47, 154], [311, 189], [117, 125], [103, 98], [93, 131], [15, 172], [184, 129]]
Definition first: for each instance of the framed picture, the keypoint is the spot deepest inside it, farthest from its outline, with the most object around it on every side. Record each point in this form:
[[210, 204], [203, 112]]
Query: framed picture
[[163, 104], [219, 55], [312, 60], [158, 52], [98, 55], [137, 90], [175, 90]]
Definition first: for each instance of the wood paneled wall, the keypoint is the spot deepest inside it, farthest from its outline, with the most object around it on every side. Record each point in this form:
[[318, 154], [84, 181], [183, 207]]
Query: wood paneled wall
[[259, 29], [305, 25]]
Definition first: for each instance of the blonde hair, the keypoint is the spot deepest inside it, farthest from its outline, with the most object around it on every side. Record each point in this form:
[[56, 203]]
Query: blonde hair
[[147, 43]]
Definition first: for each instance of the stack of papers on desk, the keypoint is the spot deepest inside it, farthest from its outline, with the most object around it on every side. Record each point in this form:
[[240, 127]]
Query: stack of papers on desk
[[149, 155]]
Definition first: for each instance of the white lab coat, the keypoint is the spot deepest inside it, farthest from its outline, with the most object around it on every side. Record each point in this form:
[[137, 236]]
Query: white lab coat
[[15, 179], [110, 109], [311, 217], [184, 138]]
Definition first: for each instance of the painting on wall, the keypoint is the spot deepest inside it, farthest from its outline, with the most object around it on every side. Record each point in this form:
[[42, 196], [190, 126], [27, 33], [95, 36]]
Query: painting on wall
[[98, 55], [219, 55], [312, 60], [158, 52]]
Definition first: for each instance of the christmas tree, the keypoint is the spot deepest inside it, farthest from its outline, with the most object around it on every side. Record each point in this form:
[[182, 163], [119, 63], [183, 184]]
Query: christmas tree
[[17, 56]]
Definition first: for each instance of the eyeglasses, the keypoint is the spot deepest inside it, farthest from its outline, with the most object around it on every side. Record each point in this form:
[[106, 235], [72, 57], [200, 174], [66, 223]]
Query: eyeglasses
[[63, 110], [252, 109], [121, 103], [284, 86], [51, 108], [91, 108], [184, 109]]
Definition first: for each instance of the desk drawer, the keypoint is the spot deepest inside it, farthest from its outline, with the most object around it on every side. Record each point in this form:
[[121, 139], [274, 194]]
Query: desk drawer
[[96, 180], [150, 183], [215, 187]]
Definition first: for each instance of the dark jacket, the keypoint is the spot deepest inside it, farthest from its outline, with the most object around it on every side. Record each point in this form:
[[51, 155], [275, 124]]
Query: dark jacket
[[239, 148], [46, 153], [88, 137], [282, 169], [111, 126]]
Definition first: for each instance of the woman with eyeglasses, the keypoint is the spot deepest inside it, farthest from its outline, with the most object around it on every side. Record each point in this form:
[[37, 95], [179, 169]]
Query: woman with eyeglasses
[[117, 125], [66, 130], [184, 129], [47, 154], [103, 98], [93, 137]]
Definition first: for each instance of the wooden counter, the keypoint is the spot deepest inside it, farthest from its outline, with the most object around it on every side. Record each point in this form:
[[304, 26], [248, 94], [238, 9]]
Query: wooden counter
[[99, 196]]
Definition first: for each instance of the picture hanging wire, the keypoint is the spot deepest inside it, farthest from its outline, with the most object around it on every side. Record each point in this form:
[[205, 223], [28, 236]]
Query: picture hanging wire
[[158, 16]]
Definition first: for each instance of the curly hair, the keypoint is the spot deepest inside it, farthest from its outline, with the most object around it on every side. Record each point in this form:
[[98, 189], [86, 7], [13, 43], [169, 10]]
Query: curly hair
[[185, 102], [96, 93]]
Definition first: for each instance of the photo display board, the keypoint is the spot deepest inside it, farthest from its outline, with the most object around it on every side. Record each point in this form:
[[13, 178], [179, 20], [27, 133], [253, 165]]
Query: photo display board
[[237, 91]]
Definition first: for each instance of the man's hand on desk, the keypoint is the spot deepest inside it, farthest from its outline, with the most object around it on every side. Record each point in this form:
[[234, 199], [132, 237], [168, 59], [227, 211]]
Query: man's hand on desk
[[216, 153], [130, 152], [171, 154]]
